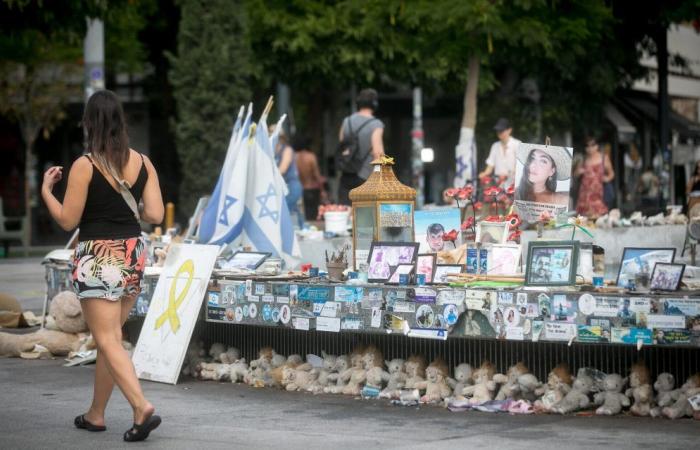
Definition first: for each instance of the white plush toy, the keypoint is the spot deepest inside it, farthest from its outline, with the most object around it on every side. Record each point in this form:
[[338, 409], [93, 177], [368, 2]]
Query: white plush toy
[[462, 379], [216, 350], [230, 356], [322, 373], [611, 400], [484, 387], [435, 384], [238, 370], [259, 369], [415, 371], [510, 387], [298, 378], [195, 354], [640, 390], [213, 371], [578, 398], [356, 374], [681, 407], [397, 379], [558, 385], [342, 363], [665, 394]]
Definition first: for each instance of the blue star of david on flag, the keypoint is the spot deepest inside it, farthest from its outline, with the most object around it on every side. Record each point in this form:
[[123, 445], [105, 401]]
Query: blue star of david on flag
[[223, 217], [264, 210], [461, 166]]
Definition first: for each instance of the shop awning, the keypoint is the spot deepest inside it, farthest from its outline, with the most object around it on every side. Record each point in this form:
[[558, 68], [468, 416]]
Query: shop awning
[[646, 106], [621, 123]]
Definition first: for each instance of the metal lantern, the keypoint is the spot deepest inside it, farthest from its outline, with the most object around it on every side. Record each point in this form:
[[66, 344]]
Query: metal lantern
[[382, 210]]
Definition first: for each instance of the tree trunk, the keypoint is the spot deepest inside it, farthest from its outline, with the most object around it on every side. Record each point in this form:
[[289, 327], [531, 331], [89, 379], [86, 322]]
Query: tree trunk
[[465, 152], [29, 140]]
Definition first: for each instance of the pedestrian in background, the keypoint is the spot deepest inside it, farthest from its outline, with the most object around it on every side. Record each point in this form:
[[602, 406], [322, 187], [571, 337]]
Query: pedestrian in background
[[501, 160], [284, 158], [361, 142], [595, 170], [104, 189], [310, 176]]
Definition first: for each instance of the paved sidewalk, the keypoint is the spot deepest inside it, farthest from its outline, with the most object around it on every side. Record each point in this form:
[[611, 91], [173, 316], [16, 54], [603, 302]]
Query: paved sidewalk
[[41, 398]]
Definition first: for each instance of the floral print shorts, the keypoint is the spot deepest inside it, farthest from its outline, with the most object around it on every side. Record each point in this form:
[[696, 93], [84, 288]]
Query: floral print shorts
[[109, 269]]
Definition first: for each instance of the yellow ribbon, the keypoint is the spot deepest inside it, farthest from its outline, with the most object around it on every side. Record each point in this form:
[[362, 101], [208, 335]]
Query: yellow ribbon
[[174, 303]]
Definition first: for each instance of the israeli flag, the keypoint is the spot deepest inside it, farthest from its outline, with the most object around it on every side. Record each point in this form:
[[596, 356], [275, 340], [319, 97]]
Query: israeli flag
[[267, 224], [222, 220]]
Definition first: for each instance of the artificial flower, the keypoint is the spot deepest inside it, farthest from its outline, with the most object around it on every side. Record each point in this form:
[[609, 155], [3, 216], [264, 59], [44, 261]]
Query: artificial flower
[[486, 180], [510, 190], [478, 206], [493, 219], [465, 192], [450, 236], [545, 216], [450, 192], [513, 220], [467, 224], [515, 235]]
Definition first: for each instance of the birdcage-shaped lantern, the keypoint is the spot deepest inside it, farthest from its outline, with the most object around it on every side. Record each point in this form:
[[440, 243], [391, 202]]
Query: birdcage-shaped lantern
[[382, 210]]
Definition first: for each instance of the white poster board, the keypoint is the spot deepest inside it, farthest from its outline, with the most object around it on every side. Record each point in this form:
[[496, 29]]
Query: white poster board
[[542, 180], [173, 312]]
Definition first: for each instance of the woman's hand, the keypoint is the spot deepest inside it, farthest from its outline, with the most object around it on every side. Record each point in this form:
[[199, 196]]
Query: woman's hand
[[52, 176]]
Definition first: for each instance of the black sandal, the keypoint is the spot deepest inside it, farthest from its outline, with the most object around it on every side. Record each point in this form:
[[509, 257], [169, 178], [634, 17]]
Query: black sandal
[[83, 423], [141, 432]]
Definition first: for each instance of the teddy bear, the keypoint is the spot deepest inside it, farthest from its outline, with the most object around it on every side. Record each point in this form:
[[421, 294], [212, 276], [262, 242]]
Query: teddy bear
[[484, 387], [435, 384], [665, 394], [578, 397], [375, 377], [258, 370], [194, 355], [681, 407], [215, 351], [397, 379], [415, 371], [237, 370], [230, 356], [357, 373], [640, 390], [213, 371], [297, 377], [342, 363], [462, 379], [65, 335], [322, 373], [611, 400], [558, 385], [510, 387]]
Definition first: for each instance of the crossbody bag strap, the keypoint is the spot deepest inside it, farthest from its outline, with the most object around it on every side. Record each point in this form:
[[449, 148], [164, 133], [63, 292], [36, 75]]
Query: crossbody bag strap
[[124, 188]]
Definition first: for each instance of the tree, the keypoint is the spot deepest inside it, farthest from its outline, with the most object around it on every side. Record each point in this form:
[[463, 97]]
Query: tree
[[211, 76]]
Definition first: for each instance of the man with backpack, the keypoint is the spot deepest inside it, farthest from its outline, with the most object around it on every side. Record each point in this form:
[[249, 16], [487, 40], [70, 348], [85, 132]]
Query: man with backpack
[[360, 143]]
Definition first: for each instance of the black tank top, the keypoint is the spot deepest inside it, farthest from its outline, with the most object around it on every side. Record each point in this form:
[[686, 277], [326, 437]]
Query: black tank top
[[106, 214]]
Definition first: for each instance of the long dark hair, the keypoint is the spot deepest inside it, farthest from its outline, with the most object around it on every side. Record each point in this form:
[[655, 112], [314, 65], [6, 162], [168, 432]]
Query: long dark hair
[[525, 191], [105, 131]]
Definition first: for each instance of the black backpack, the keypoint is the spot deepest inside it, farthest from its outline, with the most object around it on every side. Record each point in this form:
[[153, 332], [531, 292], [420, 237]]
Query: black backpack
[[348, 157]]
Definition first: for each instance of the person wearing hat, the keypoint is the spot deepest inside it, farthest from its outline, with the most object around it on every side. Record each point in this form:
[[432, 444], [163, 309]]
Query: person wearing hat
[[543, 167], [501, 160]]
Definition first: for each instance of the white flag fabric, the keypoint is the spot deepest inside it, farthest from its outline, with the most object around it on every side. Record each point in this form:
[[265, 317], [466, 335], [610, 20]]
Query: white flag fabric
[[267, 223], [222, 220]]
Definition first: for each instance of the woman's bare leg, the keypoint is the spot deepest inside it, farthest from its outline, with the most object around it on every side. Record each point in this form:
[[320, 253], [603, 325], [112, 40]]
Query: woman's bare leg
[[104, 383], [103, 318]]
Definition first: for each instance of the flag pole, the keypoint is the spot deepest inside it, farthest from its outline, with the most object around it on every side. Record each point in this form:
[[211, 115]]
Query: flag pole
[[268, 107]]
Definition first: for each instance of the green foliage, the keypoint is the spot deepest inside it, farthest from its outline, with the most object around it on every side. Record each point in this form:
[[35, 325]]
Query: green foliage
[[210, 75]]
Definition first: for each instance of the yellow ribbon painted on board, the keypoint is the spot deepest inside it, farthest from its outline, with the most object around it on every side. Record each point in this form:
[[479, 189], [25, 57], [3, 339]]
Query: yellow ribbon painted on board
[[174, 302]]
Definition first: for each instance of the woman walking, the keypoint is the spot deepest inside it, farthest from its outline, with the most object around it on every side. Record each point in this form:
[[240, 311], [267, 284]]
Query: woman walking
[[595, 170], [103, 190]]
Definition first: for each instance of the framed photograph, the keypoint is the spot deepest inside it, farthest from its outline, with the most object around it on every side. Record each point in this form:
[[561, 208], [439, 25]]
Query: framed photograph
[[585, 261], [401, 269], [384, 257], [442, 270], [425, 264], [639, 259], [503, 259], [245, 260], [551, 263], [432, 224], [666, 277], [492, 232]]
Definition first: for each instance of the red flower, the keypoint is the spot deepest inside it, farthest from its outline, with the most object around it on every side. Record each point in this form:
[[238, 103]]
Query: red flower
[[515, 235], [467, 224], [513, 220], [510, 190], [492, 191], [501, 179], [451, 192], [486, 180], [478, 205], [493, 219], [451, 236], [465, 192], [545, 216]]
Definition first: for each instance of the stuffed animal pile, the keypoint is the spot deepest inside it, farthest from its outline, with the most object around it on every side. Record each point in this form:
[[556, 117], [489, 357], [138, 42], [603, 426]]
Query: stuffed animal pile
[[365, 373]]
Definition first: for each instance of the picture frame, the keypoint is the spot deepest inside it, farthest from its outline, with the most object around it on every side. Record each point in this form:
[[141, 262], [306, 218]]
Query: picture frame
[[492, 232], [245, 260], [666, 277], [401, 269], [432, 224], [385, 256], [636, 259], [551, 263], [503, 259], [425, 264], [442, 270]]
